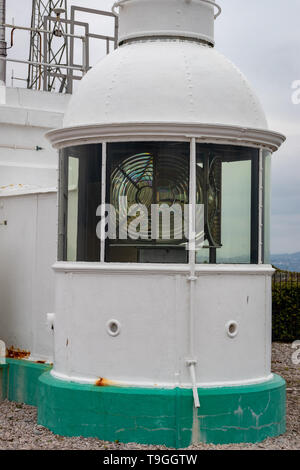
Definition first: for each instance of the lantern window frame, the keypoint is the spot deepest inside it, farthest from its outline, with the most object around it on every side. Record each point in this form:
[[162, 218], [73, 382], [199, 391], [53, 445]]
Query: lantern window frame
[[193, 141]]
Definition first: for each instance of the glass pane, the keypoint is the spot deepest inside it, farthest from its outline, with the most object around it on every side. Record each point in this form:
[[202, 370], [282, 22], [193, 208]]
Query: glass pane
[[80, 196], [267, 161], [228, 189], [148, 186], [236, 213], [209, 193], [62, 207], [73, 172]]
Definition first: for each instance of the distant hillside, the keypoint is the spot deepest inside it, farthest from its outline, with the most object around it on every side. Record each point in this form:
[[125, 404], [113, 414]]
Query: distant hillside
[[287, 262]]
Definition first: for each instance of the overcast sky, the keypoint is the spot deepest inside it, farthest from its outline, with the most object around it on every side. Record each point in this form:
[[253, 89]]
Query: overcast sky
[[262, 38]]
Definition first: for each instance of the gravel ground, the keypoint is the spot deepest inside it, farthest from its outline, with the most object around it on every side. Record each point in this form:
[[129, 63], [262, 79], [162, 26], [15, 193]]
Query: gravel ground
[[18, 428]]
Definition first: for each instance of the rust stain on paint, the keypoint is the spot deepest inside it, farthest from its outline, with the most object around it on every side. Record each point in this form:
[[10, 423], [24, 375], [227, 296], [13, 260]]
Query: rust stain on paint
[[16, 353], [104, 382]]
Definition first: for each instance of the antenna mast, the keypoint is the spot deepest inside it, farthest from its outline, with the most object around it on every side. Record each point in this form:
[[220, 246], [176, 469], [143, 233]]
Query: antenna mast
[[50, 48]]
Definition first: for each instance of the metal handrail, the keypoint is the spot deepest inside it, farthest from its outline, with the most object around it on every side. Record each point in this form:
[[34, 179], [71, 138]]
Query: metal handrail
[[120, 3], [52, 67], [37, 30], [44, 64]]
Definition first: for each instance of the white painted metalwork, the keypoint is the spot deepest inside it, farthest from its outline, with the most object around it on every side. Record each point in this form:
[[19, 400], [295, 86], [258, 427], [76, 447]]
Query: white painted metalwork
[[221, 360], [116, 5], [192, 20], [192, 279], [19, 147], [260, 209], [120, 3], [192, 206], [136, 131], [164, 84], [237, 270], [192, 368], [103, 197], [108, 97]]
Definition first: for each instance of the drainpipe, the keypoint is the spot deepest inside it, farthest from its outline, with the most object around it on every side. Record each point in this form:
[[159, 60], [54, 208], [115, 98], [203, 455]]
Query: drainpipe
[[2, 42], [192, 362]]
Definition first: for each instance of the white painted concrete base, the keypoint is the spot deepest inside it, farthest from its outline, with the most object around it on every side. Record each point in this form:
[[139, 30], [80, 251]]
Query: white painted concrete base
[[151, 304]]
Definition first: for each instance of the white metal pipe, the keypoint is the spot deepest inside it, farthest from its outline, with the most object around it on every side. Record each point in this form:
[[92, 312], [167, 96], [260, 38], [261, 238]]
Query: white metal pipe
[[192, 236], [2, 41], [19, 147], [192, 367], [261, 209], [191, 363], [103, 197], [192, 205]]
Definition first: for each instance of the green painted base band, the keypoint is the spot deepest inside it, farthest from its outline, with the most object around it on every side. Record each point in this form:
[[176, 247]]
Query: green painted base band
[[3, 380], [147, 416], [162, 416], [19, 380]]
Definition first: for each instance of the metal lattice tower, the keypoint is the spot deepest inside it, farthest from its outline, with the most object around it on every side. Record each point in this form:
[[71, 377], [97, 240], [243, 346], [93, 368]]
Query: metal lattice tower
[[51, 48]]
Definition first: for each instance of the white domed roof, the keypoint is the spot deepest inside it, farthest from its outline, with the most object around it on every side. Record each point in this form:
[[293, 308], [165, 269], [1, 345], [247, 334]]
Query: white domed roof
[[168, 81]]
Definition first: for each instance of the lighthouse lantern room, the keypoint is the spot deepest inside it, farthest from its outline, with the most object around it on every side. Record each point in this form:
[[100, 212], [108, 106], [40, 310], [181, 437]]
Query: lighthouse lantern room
[[162, 325]]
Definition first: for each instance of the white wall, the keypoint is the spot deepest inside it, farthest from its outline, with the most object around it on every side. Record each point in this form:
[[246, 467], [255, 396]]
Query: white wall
[[27, 252], [25, 117], [28, 181]]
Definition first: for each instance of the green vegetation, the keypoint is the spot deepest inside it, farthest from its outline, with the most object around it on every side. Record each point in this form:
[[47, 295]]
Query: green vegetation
[[286, 306]]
